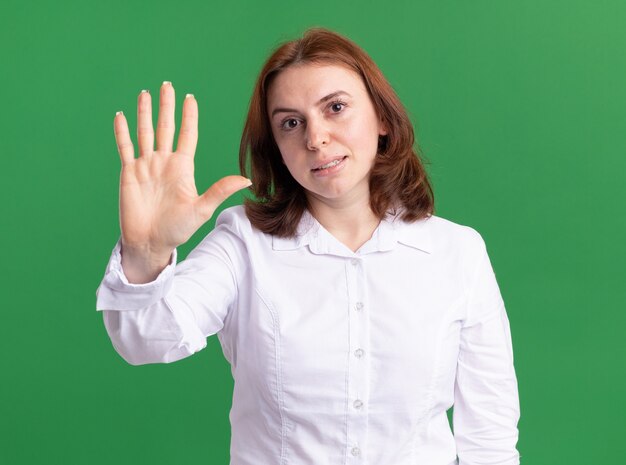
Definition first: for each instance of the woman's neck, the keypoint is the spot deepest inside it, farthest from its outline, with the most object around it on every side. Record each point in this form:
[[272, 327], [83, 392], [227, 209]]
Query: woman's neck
[[350, 222]]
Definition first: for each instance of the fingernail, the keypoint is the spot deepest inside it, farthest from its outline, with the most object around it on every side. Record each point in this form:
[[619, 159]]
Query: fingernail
[[189, 96], [167, 83], [119, 113], [250, 182], [145, 91]]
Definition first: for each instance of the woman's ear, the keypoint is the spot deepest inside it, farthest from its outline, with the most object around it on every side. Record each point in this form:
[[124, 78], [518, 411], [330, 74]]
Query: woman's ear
[[382, 130]]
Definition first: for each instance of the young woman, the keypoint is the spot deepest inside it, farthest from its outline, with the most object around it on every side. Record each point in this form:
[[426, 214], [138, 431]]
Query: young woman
[[353, 318]]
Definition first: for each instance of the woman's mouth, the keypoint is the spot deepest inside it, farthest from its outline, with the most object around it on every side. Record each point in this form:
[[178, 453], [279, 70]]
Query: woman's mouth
[[329, 165]]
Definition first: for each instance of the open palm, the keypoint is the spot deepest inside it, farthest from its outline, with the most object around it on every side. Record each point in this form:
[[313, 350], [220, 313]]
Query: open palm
[[159, 204]]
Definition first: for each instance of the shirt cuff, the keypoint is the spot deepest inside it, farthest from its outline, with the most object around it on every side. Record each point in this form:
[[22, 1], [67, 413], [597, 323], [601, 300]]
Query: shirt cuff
[[116, 293]]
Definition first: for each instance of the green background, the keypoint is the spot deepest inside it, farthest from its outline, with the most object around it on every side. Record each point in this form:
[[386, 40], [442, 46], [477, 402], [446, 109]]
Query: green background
[[519, 109]]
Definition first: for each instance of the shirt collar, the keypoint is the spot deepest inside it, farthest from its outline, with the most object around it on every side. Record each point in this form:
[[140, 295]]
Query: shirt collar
[[390, 232]]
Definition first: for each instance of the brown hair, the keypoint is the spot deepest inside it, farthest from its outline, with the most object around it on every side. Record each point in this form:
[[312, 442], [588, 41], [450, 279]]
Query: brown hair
[[398, 178]]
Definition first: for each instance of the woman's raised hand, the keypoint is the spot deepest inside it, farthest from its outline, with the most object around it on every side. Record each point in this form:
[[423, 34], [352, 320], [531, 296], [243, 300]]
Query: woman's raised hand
[[159, 204]]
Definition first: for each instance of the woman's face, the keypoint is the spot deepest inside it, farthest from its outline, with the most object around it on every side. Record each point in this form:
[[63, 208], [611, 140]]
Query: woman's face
[[327, 130]]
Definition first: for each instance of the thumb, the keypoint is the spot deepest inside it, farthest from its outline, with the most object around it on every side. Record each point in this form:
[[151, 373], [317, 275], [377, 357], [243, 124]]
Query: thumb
[[218, 192]]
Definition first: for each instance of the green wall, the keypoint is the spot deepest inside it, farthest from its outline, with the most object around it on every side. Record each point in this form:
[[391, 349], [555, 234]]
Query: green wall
[[519, 108]]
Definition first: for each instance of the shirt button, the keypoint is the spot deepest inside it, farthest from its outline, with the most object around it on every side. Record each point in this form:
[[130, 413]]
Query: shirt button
[[354, 262], [357, 404], [356, 451], [359, 353], [359, 306]]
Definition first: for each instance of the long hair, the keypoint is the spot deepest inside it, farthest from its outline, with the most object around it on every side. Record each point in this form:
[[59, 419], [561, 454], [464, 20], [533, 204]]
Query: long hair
[[397, 180]]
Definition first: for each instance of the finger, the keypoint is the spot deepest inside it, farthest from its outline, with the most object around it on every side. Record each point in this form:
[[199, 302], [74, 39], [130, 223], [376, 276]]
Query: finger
[[145, 132], [218, 192], [122, 138], [165, 125], [188, 136]]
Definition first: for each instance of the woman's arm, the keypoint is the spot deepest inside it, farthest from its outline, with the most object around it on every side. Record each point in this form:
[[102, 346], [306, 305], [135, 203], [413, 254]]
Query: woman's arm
[[170, 317], [160, 209], [486, 408]]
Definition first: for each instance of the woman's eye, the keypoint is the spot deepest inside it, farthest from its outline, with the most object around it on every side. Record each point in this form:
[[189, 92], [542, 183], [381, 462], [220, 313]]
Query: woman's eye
[[290, 123], [337, 106]]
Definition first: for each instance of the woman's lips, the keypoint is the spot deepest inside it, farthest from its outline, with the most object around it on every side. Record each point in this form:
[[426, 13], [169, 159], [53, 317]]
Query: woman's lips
[[330, 164], [330, 167]]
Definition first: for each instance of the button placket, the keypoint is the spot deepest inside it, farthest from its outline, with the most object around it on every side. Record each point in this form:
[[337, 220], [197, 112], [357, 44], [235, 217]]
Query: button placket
[[358, 365]]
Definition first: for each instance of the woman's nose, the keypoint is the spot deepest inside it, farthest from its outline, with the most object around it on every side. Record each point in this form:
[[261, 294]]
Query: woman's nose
[[317, 135]]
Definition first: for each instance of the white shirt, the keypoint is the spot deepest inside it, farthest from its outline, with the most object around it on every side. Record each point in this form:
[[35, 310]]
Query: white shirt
[[338, 357]]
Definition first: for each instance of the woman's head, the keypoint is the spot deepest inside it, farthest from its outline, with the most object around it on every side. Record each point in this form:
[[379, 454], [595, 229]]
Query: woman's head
[[327, 132], [294, 75]]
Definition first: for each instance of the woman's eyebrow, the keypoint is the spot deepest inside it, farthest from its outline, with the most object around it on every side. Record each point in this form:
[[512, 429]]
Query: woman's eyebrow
[[320, 101]]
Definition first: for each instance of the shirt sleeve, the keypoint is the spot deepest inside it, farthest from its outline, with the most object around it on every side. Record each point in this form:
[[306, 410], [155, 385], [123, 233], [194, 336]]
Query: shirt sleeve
[[486, 408], [170, 318]]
